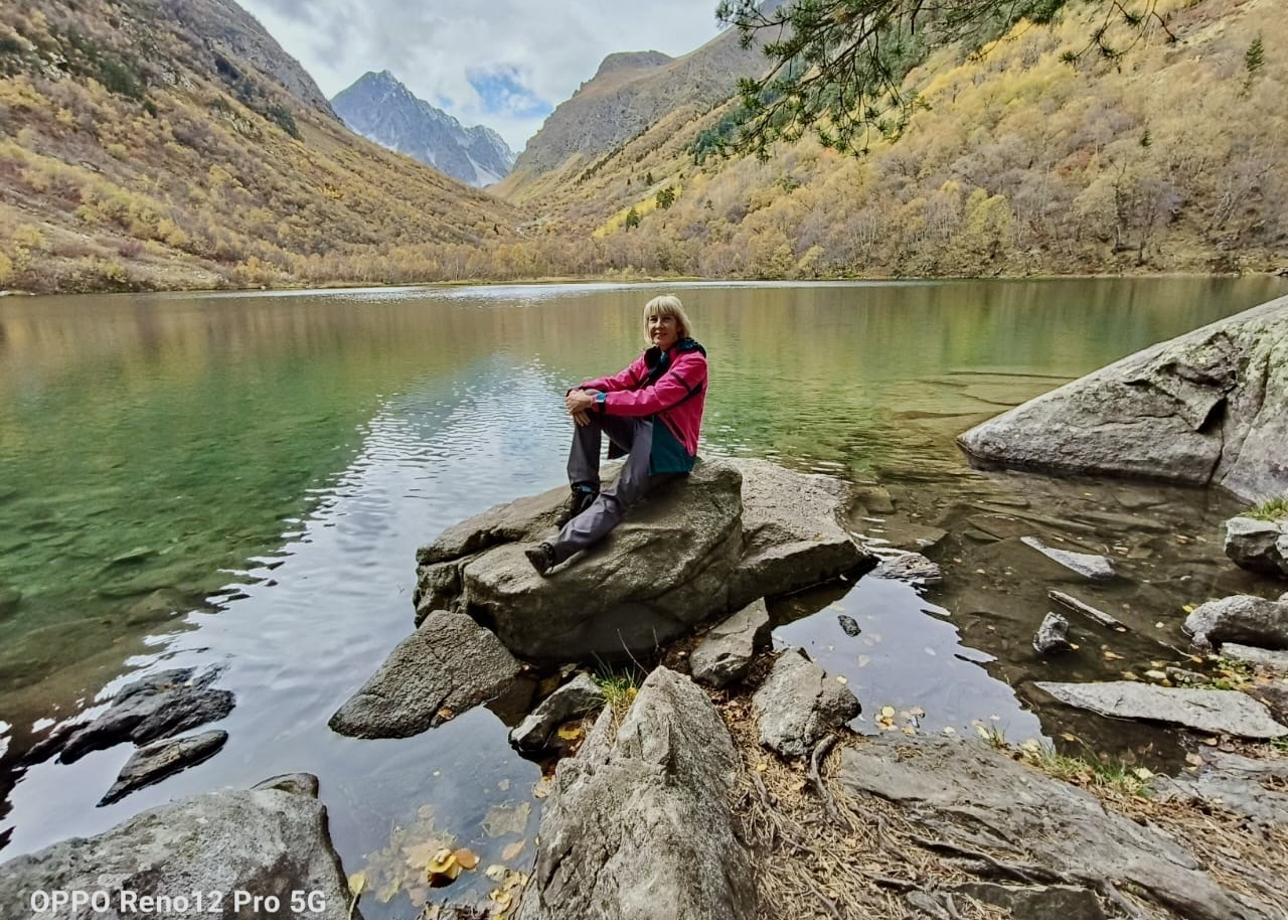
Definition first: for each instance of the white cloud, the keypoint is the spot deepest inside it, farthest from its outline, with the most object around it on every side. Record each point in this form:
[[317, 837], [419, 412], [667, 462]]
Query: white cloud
[[434, 46]]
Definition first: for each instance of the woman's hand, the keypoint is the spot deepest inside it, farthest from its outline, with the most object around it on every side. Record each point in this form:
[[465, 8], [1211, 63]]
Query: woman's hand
[[581, 418], [580, 401]]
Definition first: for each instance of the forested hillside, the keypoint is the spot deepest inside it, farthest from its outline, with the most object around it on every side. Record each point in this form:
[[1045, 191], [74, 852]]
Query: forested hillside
[[1016, 162], [173, 144], [151, 144]]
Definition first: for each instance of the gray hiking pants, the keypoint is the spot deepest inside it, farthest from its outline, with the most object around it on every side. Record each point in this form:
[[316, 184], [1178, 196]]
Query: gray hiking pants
[[634, 435]]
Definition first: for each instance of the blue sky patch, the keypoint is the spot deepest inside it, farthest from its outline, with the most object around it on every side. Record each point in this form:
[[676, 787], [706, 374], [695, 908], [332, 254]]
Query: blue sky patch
[[502, 91]]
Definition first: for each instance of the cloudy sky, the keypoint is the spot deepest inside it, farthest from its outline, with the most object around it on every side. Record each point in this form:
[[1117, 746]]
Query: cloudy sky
[[501, 63]]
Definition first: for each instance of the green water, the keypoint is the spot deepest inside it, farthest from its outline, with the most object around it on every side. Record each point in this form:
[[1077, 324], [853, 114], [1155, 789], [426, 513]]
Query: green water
[[244, 479]]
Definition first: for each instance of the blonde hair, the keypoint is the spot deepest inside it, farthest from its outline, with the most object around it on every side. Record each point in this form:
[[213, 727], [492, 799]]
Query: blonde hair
[[668, 305]]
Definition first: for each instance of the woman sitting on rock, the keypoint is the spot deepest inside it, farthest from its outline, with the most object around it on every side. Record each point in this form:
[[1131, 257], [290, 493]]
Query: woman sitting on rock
[[651, 412]]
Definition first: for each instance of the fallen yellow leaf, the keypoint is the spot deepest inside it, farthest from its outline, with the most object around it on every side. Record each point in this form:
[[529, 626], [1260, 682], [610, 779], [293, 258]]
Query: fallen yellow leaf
[[569, 732], [467, 859], [357, 882]]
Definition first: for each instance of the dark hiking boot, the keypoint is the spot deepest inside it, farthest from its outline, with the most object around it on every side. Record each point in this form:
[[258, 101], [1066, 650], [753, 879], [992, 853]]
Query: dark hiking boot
[[581, 500], [542, 557]]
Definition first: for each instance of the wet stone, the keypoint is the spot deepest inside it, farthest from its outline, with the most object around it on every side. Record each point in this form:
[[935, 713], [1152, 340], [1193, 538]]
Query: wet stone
[[849, 625], [1096, 568], [1052, 637], [798, 704], [157, 761], [577, 698]]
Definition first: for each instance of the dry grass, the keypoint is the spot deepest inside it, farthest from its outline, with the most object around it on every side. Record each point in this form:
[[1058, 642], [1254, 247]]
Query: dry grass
[[855, 862]]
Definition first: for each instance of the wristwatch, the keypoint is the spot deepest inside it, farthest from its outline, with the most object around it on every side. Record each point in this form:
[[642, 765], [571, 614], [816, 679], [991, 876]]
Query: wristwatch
[[601, 399]]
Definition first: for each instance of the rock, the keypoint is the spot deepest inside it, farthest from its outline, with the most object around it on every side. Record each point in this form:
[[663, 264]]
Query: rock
[[913, 568], [1036, 902], [1097, 568], [1274, 693], [1254, 788], [1242, 618], [1095, 614], [875, 499], [264, 842], [1259, 546], [448, 665], [294, 783], [792, 532], [1227, 712], [798, 704], [849, 625], [637, 825], [1052, 637], [1210, 406], [159, 706], [164, 758], [725, 653], [980, 799], [573, 700], [1266, 658], [696, 548]]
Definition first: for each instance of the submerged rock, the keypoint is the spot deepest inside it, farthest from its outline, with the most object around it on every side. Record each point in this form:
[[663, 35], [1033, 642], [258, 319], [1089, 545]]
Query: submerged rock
[[696, 548], [448, 665], [1052, 637], [1259, 546], [725, 653], [1210, 406], [849, 625], [158, 706], [263, 842], [1241, 618], [638, 825], [980, 799], [577, 698], [798, 704], [913, 568], [1225, 712], [1088, 565], [160, 759]]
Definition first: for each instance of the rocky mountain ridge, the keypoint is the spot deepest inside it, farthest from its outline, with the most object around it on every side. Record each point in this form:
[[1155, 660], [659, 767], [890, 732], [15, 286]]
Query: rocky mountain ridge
[[380, 108]]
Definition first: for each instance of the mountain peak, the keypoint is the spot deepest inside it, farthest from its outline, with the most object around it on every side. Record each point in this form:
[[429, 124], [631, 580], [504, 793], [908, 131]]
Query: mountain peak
[[632, 60], [379, 107]]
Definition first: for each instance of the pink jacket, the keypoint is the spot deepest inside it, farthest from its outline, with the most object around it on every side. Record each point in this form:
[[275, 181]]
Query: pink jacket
[[676, 395]]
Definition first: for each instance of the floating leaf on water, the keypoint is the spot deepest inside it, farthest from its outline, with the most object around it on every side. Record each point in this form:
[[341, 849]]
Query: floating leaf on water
[[441, 862], [445, 714], [503, 785], [496, 872], [841, 680], [513, 850], [1188, 608], [887, 712], [357, 882], [466, 859]]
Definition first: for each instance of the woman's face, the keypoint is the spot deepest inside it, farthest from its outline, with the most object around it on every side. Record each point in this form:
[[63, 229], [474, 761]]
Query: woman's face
[[663, 330]]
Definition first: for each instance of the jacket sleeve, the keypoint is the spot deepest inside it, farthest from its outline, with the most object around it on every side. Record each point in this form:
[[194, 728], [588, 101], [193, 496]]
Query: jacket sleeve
[[622, 380], [687, 375]]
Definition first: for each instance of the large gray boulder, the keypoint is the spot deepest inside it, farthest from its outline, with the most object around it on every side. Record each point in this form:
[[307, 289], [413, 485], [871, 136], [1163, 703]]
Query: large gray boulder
[[696, 548], [798, 704], [448, 665], [638, 825], [1241, 618], [979, 799], [1259, 546], [1226, 712], [264, 842], [1210, 406], [725, 653]]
